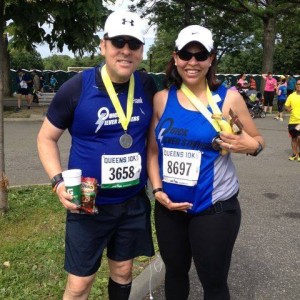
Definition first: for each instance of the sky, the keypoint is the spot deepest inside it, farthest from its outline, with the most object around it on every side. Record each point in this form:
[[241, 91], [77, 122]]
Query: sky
[[149, 35]]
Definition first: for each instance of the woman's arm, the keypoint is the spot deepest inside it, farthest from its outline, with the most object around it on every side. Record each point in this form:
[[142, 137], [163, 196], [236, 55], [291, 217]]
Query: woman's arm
[[250, 138]]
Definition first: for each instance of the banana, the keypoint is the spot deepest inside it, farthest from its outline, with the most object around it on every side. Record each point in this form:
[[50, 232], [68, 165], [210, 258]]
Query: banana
[[224, 126]]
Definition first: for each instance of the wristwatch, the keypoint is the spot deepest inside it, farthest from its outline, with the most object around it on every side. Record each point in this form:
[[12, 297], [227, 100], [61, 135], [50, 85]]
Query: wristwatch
[[56, 179], [258, 150]]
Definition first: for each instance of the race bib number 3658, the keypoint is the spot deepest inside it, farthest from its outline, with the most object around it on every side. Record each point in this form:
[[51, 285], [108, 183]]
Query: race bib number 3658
[[119, 171], [181, 166]]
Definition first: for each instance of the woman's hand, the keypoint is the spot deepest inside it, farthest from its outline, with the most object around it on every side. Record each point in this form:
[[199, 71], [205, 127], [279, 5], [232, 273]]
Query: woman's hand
[[238, 143], [163, 199]]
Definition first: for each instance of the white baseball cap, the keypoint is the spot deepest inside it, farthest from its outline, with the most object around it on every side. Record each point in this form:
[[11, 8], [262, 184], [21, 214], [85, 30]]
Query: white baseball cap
[[195, 33], [124, 23]]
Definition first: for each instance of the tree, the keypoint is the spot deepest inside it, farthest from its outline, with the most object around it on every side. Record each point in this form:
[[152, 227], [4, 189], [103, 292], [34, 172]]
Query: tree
[[58, 62], [71, 23], [226, 26], [3, 179], [22, 59], [231, 20]]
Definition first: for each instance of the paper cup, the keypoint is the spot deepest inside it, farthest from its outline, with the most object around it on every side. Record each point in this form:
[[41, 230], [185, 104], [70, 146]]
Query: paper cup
[[72, 179]]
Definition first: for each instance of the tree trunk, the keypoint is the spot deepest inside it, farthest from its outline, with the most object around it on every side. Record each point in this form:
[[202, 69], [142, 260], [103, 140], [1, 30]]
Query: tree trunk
[[268, 44], [187, 13], [7, 88], [3, 179]]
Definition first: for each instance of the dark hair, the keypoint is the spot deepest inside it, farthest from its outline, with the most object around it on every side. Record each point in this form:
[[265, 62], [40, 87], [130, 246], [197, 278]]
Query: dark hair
[[173, 77]]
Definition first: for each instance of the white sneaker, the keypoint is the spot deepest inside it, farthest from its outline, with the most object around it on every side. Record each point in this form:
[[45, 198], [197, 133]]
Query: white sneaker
[[281, 119], [276, 118]]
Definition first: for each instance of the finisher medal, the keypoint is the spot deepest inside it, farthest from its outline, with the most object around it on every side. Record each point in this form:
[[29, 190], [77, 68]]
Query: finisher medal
[[126, 141]]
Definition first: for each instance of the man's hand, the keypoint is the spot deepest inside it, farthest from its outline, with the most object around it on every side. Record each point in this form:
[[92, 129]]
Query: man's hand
[[65, 199]]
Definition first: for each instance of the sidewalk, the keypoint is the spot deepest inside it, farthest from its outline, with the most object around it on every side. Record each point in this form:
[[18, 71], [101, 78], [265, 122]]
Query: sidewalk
[[36, 113], [266, 258]]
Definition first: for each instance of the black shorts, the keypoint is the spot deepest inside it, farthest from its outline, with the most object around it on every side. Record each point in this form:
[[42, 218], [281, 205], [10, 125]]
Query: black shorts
[[292, 131], [22, 91], [124, 229]]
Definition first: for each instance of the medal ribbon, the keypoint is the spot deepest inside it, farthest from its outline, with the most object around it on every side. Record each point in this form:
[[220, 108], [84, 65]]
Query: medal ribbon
[[201, 107], [124, 120]]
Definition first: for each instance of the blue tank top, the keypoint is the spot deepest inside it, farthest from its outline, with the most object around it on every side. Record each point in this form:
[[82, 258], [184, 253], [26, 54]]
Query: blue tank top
[[96, 149], [190, 169]]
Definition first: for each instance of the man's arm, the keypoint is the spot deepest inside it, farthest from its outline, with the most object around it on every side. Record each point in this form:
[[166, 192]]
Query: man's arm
[[50, 157]]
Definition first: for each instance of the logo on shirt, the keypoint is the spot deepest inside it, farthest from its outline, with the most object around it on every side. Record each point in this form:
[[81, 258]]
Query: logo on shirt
[[106, 118]]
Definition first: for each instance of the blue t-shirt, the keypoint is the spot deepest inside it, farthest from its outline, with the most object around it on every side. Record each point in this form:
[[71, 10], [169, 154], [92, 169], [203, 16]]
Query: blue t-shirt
[[283, 94], [83, 106], [291, 83], [190, 169]]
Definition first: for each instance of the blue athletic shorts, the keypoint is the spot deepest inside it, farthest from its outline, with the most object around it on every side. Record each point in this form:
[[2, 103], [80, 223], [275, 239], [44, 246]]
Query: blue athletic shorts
[[124, 229]]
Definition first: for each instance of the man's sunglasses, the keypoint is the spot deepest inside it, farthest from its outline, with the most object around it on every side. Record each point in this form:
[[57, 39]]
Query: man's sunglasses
[[120, 42], [186, 56]]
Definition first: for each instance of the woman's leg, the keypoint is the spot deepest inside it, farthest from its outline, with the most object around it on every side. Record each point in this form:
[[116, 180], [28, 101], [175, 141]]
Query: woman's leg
[[212, 239], [173, 241]]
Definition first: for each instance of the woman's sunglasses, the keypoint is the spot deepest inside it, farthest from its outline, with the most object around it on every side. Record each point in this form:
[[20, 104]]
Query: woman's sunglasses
[[186, 56], [120, 42]]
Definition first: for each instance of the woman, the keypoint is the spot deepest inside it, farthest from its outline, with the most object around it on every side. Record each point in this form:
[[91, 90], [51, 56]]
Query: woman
[[281, 97], [269, 91], [197, 213]]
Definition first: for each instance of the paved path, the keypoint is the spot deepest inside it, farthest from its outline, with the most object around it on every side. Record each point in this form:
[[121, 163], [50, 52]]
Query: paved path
[[266, 258]]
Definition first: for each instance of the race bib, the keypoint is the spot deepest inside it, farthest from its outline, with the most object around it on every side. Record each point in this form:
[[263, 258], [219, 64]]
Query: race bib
[[120, 171], [181, 166]]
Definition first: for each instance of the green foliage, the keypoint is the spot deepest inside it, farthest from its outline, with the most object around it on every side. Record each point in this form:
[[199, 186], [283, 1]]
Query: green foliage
[[32, 248], [239, 28], [71, 23], [57, 62], [26, 60]]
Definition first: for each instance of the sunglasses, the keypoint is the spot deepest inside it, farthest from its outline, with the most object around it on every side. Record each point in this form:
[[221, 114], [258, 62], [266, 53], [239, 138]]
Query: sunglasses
[[186, 56], [119, 42]]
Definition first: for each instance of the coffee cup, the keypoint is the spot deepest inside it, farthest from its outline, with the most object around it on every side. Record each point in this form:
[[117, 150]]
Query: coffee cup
[[72, 180]]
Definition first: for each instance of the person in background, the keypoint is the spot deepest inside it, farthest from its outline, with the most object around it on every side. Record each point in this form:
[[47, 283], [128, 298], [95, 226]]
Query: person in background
[[23, 82], [195, 184], [107, 110], [291, 83], [292, 105], [36, 86], [281, 91], [269, 91], [252, 83], [243, 82], [53, 83]]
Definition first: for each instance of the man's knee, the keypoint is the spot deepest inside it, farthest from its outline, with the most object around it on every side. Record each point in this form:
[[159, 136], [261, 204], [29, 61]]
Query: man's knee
[[78, 287], [120, 271]]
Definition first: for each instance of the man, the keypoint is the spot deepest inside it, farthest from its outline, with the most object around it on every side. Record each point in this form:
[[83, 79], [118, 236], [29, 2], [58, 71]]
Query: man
[[107, 111], [23, 82], [292, 105], [36, 86]]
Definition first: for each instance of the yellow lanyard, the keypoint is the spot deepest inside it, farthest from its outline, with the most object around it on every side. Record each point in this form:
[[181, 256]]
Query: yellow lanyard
[[124, 120], [202, 108]]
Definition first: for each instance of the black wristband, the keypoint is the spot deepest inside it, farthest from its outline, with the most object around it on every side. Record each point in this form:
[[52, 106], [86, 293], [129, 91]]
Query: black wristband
[[157, 190], [56, 179]]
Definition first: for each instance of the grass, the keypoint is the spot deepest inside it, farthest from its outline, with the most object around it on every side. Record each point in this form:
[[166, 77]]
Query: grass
[[32, 248]]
